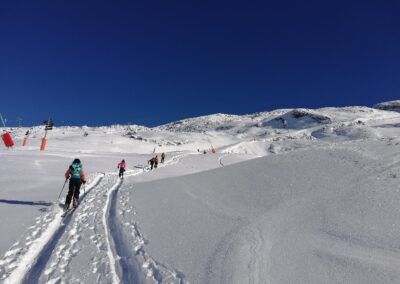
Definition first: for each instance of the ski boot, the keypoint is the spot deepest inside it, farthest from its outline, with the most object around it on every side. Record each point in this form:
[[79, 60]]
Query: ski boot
[[75, 202], [66, 206]]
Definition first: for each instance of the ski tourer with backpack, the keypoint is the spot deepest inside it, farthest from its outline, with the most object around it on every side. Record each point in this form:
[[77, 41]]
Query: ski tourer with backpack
[[77, 177]]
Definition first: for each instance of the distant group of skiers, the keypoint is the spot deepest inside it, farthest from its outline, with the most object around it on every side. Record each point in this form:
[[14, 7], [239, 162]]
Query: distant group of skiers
[[76, 176], [153, 162]]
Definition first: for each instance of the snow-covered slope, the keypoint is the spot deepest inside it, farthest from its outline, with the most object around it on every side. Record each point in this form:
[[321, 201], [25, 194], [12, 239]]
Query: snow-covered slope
[[312, 216], [203, 123], [298, 119], [291, 196]]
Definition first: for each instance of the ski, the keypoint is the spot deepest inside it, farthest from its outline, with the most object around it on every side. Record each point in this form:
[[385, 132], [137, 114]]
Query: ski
[[67, 212]]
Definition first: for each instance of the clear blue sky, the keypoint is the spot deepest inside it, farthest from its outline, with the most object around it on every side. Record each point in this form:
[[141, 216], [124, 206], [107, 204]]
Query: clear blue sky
[[152, 62]]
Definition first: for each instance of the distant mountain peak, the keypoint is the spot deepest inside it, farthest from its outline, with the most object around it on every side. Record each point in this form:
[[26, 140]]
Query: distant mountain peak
[[390, 106]]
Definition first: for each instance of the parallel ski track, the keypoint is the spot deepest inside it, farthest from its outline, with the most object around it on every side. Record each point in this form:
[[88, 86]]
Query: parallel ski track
[[30, 262], [35, 258], [127, 266], [106, 215], [90, 220]]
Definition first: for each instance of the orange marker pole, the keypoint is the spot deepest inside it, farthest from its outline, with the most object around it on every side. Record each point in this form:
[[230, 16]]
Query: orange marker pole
[[43, 145]]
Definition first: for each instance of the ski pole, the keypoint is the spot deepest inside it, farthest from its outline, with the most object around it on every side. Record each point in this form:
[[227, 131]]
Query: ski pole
[[62, 188]]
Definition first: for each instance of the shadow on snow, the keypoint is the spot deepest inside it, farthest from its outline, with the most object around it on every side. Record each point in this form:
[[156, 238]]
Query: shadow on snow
[[31, 203]]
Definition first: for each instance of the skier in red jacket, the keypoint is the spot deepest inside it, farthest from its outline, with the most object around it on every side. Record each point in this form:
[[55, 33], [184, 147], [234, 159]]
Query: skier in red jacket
[[122, 167]]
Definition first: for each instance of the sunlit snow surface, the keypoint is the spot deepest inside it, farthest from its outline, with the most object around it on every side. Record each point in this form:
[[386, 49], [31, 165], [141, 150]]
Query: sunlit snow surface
[[291, 196]]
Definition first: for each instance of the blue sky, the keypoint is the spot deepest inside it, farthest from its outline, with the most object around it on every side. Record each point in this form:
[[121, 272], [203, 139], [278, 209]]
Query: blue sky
[[152, 62]]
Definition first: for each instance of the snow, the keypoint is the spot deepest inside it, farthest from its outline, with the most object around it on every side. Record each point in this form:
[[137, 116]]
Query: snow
[[38, 245], [390, 106], [111, 257], [312, 200]]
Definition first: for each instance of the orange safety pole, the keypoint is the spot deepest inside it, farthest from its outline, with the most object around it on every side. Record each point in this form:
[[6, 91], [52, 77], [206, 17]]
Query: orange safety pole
[[43, 145]]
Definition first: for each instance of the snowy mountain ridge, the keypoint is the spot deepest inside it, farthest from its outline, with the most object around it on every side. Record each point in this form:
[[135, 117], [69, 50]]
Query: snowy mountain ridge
[[221, 122], [219, 130], [216, 122]]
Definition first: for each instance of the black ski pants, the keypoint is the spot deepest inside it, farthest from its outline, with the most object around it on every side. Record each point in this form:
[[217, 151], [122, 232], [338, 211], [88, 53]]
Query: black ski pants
[[74, 187]]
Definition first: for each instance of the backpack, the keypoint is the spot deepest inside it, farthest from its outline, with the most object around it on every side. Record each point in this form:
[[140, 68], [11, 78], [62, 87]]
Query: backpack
[[76, 171]]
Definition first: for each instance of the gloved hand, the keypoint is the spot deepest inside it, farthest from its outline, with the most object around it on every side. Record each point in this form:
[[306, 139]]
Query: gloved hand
[[84, 181]]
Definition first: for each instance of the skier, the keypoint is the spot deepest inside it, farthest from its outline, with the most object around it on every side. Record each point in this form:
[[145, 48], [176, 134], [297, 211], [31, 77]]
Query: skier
[[151, 162], [76, 177], [155, 161], [162, 158], [121, 167]]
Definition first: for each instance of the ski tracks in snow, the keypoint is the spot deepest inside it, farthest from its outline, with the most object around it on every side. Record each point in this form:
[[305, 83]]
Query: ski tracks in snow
[[133, 264], [85, 244], [90, 245], [34, 244], [127, 236]]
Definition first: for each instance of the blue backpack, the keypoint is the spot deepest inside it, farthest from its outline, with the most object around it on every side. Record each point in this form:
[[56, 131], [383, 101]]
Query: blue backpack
[[76, 171]]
